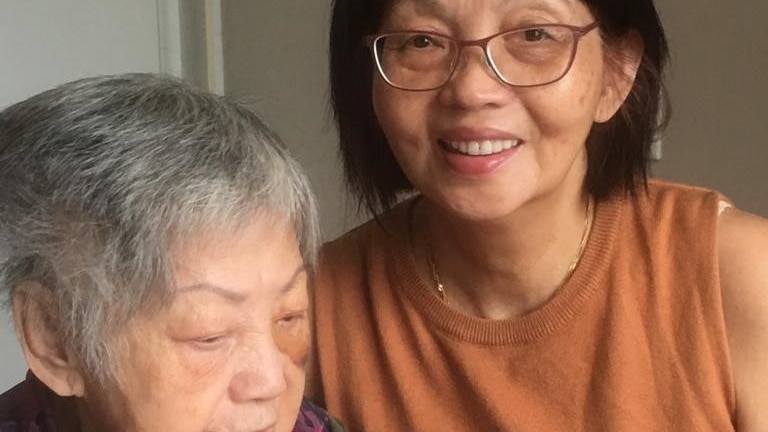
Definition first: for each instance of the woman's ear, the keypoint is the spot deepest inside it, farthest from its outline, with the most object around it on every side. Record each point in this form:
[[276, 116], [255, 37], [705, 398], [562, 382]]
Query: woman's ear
[[621, 66], [36, 327]]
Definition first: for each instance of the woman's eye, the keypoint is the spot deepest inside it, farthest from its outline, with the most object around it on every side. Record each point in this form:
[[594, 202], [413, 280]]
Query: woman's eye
[[209, 343], [291, 320], [422, 41], [535, 34]]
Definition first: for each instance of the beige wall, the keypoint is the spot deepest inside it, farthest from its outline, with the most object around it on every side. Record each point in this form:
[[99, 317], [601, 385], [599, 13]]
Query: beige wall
[[718, 136], [275, 58], [275, 61]]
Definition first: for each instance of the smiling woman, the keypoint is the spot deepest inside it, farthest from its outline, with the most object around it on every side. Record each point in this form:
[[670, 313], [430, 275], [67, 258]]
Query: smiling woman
[[155, 245], [522, 272]]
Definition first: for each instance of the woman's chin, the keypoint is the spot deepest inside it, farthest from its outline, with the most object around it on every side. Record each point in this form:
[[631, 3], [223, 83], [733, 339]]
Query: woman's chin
[[481, 204]]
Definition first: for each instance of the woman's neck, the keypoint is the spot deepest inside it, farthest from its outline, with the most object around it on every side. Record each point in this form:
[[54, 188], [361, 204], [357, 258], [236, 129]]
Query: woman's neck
[[506, 267]]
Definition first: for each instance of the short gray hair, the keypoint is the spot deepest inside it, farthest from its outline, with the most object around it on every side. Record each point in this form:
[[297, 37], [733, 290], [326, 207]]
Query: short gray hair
[[101, 177]]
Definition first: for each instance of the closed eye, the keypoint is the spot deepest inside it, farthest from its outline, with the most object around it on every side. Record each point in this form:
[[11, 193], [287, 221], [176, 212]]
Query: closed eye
[[291, 320], [209, 343]]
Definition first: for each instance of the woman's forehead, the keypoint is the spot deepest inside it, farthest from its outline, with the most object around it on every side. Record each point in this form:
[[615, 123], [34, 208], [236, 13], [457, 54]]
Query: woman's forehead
[[461, 7]]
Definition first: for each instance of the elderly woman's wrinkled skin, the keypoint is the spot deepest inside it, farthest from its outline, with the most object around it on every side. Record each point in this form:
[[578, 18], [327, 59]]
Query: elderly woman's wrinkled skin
[[227, 354]]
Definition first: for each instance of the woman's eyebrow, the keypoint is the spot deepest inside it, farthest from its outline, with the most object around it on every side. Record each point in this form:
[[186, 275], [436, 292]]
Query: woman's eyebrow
[[432, 5], [236, 297], [291, 285], [439, 7], [405, 8], [228, 294]]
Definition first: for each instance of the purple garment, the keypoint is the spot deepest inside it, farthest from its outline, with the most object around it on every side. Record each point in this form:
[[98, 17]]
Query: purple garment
[[27, 407], [312, 418]]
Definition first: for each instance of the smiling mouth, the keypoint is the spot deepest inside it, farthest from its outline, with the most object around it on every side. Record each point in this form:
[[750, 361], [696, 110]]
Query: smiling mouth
[[479, 148]]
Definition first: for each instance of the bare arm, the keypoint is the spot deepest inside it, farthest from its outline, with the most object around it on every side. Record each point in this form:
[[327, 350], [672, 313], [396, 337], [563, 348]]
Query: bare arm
[[743, 249]]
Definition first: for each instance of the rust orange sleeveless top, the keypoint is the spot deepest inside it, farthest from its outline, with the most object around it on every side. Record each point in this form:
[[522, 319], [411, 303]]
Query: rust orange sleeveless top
[[635, 341]]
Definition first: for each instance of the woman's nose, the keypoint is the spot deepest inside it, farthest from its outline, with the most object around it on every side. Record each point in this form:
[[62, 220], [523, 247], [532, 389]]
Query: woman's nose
[[473, 82], [261, 373]]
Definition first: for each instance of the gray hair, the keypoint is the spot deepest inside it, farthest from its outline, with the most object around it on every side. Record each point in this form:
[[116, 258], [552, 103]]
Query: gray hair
[[101, 177]]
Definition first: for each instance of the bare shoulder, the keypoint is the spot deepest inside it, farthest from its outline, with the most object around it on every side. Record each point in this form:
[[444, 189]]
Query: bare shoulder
[[743, 254], [743, 251]]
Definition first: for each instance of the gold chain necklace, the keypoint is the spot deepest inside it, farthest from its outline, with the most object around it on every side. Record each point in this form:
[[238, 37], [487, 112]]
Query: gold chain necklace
[[571, 267]]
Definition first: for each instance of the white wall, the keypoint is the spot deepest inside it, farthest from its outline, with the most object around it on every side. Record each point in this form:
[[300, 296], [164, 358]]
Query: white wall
[[47, 42]]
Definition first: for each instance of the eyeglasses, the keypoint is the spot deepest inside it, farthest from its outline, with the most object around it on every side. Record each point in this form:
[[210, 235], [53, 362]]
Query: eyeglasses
[[526, 57]]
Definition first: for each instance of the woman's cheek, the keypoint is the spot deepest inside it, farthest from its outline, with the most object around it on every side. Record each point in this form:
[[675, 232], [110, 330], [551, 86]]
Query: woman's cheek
[[294, 341], [204, 362]]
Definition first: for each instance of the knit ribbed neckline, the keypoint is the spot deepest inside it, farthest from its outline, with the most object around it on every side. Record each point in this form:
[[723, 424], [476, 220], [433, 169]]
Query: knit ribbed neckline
[[544, 321]]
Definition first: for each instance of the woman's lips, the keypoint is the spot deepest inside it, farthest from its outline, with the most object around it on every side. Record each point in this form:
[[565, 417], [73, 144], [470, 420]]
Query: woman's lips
[[478, 157]]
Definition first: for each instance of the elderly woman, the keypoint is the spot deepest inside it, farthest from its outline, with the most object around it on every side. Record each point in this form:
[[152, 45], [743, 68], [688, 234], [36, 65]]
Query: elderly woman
[[523, 274], [155, 245]]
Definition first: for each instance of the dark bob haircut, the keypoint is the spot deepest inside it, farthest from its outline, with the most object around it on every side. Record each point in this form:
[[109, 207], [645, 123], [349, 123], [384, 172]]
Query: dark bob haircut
[[618, 150]]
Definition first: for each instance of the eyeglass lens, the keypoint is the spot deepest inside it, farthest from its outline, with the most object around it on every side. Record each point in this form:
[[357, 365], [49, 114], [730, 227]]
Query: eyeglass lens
[[526, 57]]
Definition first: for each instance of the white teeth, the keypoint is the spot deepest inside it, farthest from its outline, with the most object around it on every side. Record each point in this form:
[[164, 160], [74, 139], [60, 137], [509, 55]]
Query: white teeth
[[485, 147]]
